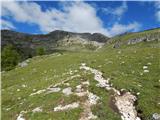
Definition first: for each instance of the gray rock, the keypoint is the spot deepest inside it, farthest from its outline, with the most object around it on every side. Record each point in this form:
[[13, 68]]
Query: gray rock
[[156, 116], [23, 64]]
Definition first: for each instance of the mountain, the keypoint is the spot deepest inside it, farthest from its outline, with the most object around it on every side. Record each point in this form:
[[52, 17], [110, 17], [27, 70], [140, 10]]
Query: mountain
[[27, 43]]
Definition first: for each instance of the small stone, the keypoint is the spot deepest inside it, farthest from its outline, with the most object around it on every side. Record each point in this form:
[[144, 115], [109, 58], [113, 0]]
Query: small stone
[[23, 64], [19, 98], [146, 71], [23, 86], [38, 109], [7, 109], [18, 90], [119, 52], [93, 98], [100, 66], [67, 84], [66, 107], [145, 67], [20, 117], [53, 90], [85, 83], [141, 74], [34, 89], [156, 116], [79, 88], [138, 93], [67, 91], [83, 64]]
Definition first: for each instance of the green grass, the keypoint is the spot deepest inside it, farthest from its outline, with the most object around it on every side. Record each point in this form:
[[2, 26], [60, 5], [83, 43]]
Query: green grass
[[124, 66], [126, 37]]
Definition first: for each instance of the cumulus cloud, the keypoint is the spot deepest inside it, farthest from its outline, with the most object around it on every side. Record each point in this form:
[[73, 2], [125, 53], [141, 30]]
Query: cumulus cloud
[[116, 12], [119, 28], [6, 24], [77, 17], [73, 16], [157, 14]]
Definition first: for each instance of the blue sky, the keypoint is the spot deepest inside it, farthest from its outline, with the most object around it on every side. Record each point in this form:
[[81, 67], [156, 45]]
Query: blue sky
[[107, 17]]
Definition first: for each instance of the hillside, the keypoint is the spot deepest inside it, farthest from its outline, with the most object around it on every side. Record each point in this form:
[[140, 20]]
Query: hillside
[[51, 41], [137, 37], [84, 85]]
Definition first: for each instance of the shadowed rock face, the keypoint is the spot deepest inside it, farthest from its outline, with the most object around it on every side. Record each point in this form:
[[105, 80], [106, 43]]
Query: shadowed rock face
[[27, 43]]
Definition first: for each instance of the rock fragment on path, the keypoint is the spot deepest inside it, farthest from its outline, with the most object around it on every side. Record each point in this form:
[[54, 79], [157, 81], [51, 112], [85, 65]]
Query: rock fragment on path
[[20, 116], [66, 107], [85, 83], [79, 88], [38, 92], [145, 67], [24, 85], [52, 90], [146, 71], [93, 98], [156, 116], [38, 109], [23, 64], [67, 91]]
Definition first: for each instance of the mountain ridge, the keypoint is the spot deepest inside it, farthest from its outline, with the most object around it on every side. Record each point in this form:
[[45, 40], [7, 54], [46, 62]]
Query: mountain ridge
[[51, 41], [27, 45]]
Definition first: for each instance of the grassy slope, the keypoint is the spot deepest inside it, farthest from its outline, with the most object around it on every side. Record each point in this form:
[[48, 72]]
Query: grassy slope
[[124, 66], [126, 37]]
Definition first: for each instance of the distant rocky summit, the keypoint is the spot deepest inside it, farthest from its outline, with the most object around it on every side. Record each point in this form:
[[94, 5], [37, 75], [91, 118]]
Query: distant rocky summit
[[27, 43]]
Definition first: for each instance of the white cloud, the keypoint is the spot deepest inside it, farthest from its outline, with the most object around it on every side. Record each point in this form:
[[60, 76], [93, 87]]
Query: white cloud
[[73, 16], [157, 14], [119, 28], [6, 24], [116, 12], [78, 17]]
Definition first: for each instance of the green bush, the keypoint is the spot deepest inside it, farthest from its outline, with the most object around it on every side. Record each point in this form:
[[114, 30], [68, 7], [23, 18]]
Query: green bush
[[40, 51], [9, 57], [90, 46]]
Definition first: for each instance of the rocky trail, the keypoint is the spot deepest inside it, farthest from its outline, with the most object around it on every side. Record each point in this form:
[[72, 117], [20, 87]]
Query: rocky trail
[[124, 101]]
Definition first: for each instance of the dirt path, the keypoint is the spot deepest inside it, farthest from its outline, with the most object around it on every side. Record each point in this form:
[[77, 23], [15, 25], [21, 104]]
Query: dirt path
[[124, 102]]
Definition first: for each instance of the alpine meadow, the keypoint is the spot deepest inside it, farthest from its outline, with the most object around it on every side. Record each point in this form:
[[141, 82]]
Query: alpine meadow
[[80, 60]]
